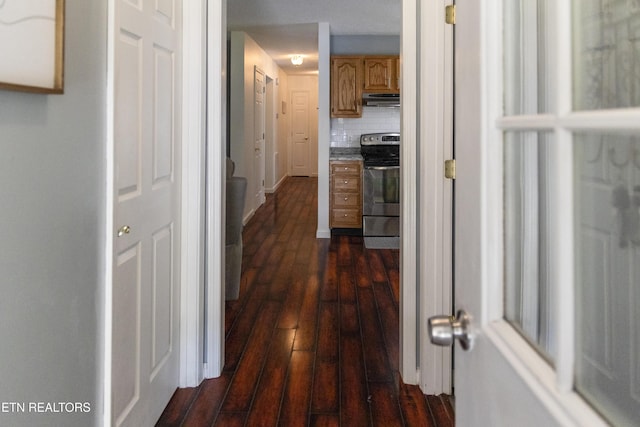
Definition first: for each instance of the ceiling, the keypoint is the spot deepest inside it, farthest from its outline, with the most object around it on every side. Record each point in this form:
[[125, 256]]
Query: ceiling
[[287, 27]]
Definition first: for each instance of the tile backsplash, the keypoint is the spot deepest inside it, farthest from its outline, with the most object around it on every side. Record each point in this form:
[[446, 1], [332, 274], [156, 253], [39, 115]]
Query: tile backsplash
[[346, 132]]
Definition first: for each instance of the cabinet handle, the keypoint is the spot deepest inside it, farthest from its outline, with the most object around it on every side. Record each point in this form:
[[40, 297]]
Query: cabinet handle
[[346, 182], [346, 198]]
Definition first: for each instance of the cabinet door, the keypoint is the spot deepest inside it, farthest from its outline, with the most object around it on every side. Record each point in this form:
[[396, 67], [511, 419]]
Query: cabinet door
[[380, 74], [346, 87]]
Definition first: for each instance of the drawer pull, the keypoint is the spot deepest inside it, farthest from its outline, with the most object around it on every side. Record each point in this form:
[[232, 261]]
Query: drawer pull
[[346, 198], [346, 182], [346, 215]]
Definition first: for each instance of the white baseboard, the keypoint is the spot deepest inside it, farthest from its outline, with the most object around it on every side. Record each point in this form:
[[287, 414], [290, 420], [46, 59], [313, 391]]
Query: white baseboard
[[275, 187]]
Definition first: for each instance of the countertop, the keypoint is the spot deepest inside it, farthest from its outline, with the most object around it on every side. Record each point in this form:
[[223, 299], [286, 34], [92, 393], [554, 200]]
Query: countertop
[[345, 153]]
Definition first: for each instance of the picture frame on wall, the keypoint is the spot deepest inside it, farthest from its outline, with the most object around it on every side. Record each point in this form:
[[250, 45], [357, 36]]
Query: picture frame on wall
[[32, 45]]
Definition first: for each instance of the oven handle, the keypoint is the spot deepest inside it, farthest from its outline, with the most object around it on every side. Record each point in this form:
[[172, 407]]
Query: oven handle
[[382, 168]]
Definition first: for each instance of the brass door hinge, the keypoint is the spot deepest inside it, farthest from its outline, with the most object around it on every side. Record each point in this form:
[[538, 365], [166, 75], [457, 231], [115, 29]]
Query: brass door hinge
[[450, 169], [450, 14]]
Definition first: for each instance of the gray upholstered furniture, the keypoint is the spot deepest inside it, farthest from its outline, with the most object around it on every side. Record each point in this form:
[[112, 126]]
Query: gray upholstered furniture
[[236, 190]]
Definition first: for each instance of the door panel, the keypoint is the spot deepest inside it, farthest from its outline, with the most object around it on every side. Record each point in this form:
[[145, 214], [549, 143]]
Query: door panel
[[145, 293], [300, 163], [259, 133]]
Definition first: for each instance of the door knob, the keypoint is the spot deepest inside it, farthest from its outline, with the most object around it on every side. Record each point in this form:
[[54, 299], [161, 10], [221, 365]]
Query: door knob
[[443, 330], [125, 229]]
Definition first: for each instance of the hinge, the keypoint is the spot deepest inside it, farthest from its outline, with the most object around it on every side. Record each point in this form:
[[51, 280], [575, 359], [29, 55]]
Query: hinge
[[450, 169], [450, 14]]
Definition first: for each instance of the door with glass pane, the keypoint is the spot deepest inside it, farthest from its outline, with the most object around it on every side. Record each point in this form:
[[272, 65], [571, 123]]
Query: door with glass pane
[[547, 258]]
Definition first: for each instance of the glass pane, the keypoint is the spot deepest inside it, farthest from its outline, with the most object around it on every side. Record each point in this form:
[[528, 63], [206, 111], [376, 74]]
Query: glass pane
[[526, 58], [526, 198], [607, 250], [606, 54]]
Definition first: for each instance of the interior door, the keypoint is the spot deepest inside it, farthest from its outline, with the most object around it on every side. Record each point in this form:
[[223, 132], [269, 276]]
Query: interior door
[[259, 132], [146, 278], [547, 131], [300, 156]]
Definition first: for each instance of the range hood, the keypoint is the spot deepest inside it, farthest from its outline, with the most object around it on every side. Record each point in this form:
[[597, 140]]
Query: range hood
[[381, 100]]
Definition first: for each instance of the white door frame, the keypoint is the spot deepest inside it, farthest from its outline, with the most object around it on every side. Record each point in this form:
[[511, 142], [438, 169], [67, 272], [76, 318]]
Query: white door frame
[[426, 257], [434, 377]]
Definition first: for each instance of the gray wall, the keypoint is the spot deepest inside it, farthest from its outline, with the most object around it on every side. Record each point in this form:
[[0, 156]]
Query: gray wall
[[52, 206], [365, 45]]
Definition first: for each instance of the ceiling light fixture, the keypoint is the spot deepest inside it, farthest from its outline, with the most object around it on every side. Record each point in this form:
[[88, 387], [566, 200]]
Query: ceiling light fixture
[[297, 60]]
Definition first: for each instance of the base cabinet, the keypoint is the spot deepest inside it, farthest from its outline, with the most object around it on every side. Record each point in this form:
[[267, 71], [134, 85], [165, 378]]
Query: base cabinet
[[345, 199]]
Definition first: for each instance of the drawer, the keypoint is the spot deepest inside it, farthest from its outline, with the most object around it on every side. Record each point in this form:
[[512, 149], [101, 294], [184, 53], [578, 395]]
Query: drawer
[[346, 218], [346, 200], [350, 183], [345, 168]]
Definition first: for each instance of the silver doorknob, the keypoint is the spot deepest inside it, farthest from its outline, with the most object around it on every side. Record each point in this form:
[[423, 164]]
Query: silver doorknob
[[443, 330], [125, 229]]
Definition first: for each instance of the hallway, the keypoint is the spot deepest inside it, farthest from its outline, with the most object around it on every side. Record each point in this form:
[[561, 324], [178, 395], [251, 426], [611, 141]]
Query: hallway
[[314, 337]]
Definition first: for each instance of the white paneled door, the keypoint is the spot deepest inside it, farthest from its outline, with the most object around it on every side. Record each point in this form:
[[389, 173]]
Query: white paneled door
[[146, 249], [547, 212], [260, 136], [300, 156]]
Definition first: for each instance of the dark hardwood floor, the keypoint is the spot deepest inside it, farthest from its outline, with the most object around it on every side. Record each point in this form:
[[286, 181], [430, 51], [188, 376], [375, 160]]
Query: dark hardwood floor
[[313, 339]]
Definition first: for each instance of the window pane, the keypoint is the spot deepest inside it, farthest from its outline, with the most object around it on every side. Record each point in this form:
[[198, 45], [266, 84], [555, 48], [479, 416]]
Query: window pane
[[526, 195], [606, 54], [607, 250], [526, 58]]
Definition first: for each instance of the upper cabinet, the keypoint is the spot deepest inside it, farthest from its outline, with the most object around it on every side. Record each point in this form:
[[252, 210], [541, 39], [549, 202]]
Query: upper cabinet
[[346, 86], [380, 74], [353, 75]]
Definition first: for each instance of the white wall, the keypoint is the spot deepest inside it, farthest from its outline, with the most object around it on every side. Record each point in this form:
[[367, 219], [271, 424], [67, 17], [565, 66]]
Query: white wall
[[324, 127], [282, 138], [52, 203], [308, 83], [245, 55]]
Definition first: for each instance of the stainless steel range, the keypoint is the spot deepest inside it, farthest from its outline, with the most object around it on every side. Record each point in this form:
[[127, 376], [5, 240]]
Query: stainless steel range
[[381, 189]]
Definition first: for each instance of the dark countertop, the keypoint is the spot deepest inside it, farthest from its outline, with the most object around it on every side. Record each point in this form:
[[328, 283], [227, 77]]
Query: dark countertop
[[345, 153]]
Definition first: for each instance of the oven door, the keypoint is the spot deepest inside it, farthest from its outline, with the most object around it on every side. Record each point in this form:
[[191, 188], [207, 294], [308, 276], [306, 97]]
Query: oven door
[[381, 191]]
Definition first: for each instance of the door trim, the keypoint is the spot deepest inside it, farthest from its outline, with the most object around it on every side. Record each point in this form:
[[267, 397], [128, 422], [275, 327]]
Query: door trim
[[216, 30], [192, 301], [435, 205], [426, 257]]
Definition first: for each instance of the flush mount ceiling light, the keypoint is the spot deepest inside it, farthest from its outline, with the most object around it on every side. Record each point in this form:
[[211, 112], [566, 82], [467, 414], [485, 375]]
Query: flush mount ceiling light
[[296, 60]]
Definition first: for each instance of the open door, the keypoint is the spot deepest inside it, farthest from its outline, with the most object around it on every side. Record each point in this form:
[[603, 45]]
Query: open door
[[547, 223]]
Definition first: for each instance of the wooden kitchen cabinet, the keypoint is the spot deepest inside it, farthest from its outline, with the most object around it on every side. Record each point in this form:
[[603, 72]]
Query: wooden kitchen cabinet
[[346, 86], [381, 74], [345, 198]]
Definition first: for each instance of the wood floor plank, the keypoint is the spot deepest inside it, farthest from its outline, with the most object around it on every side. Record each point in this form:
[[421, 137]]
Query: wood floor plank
[[375, 352], [389, 317], [237, 338], [324, 420], [297, 396], [242, 387], [308, 321], [329, 291], [354, 395], [378, 273], [347, 284], [265, 409]]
